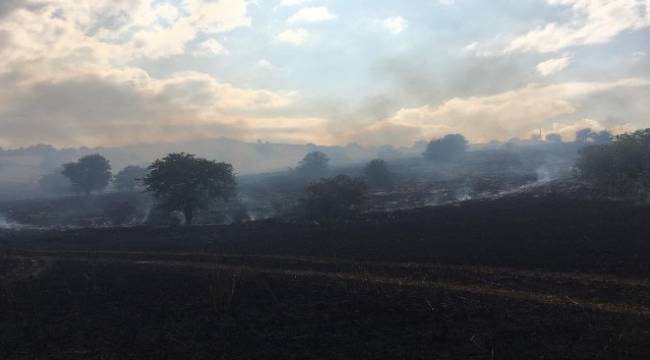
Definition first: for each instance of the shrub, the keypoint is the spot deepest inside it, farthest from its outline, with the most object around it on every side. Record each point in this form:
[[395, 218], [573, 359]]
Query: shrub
[[620, 167], [335, 198], [449, 148]]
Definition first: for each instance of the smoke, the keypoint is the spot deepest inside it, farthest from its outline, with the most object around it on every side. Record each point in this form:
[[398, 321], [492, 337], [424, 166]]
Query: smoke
[[464, 194], [543, 174], [9, 225]]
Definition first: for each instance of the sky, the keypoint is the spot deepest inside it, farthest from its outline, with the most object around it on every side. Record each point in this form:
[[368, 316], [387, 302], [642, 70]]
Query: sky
[[118, 72]]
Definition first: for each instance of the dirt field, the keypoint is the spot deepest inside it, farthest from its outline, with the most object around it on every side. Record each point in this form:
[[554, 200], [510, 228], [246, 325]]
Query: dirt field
[[524, 279]]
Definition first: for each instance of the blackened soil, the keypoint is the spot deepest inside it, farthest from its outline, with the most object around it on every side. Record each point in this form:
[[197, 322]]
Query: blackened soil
[[525, 232], [515, 278]]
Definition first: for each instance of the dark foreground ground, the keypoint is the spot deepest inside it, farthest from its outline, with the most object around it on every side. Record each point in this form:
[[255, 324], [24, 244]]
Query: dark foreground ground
[[516, 278]]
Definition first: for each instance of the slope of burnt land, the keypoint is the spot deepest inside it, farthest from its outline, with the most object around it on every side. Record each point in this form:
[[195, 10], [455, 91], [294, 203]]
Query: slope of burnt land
[[553, 233]]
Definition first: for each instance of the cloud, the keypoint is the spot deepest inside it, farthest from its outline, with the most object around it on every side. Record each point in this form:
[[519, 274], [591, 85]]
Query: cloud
[[72, 67], [126, 107], [89, 72], [264, 64], [113, 32], [312, 14], [9, 6], [215, 16], [294, 2], [552, 66], [293, 36], [484, 118], [203, 92], [593, 22], [471, 47], [569, 130], [395, 25], [210, 47], [638, 55]]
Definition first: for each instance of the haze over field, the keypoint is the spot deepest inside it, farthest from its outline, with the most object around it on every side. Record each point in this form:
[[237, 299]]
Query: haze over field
[[115, 73], [319, 179]]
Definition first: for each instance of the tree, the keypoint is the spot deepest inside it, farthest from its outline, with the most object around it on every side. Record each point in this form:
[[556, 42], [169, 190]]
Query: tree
[[55, 183], [88, 174], [588, 136], [378, 175], [129, 178], [620, 167], [183, 182], [120, 213], [334, 198], [554, 138], [314, 163], [448, 148]]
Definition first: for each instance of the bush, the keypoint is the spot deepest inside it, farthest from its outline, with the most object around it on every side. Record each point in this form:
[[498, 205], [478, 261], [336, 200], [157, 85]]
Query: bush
[[335, 198], [120, 213], [588, 136], [55, 184], [378, 175], [88, 174], [129, 179], [449, 148], [313, 164], [620, 167]]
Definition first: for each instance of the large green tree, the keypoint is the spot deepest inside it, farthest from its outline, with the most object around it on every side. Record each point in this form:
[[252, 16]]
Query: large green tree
[[90, 173], [183, 182]]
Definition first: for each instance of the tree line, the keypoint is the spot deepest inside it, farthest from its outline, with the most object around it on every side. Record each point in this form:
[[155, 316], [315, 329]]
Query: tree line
[[185, 183]]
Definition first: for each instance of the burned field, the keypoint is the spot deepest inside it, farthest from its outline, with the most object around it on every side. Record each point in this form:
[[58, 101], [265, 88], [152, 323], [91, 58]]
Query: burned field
[[518, 277], [152, 309], [298, 179]]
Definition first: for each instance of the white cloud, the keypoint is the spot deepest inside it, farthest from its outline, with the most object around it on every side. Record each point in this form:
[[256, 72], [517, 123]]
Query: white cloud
[[215, 16], [203, 92], [210, 47], [395, 25], [293, 36], [470, 48], [593, 22], [294, 2], [485, 118], [312, 14], [71, 69], [126, 106], [69, 75], [167, 12], [113, 32], [568, 130], [552, 66], [264, 64]]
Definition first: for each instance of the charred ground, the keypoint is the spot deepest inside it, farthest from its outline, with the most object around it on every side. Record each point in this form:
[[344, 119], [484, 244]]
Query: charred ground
[[523, 276]]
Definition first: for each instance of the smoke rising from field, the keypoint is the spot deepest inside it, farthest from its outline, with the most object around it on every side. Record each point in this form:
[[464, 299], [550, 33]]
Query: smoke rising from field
[[9, 225], [271, 183]]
